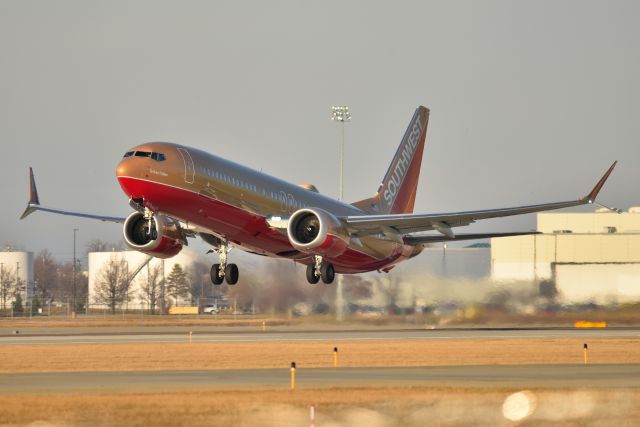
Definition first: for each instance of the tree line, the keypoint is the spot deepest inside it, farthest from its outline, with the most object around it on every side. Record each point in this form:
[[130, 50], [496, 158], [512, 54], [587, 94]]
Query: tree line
[[115, 286]]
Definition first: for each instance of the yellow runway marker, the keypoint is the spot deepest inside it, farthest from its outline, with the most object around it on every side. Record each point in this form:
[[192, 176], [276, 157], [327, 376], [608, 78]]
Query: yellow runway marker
[[585, 324]]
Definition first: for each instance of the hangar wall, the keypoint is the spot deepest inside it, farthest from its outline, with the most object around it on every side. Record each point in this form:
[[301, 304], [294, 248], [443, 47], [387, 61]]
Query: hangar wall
[[588, 256]]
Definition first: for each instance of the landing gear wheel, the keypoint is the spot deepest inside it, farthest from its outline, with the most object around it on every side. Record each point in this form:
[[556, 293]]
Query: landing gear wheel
[[231, 274], [216, 279], [311, 274], [328, 273]]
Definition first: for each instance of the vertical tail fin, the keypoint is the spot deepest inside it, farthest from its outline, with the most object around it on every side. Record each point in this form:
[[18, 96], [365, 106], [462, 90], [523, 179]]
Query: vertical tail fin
[[397, 192]]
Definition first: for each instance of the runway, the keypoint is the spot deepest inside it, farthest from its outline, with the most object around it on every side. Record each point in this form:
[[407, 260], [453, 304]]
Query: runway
[[44, 336], [520, 376]]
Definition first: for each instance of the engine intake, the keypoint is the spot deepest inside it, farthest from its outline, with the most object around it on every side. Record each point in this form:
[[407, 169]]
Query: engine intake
[[159, 236], [316, 231]]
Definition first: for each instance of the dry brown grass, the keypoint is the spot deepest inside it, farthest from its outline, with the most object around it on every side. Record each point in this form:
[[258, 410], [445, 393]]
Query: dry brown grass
[[149, 357], [410, 407]]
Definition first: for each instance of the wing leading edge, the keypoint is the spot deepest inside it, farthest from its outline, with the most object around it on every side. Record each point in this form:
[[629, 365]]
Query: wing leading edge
[[444, 222]]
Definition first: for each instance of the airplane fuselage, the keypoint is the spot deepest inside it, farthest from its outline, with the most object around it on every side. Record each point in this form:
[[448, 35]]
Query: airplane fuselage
[[236, 203]]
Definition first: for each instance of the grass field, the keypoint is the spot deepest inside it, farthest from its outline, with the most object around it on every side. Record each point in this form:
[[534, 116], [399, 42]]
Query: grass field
[[411, 407], [379, 405], [196, 356]]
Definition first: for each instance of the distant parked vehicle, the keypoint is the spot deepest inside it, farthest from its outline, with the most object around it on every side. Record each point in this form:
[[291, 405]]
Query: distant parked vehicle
[[211, 309]]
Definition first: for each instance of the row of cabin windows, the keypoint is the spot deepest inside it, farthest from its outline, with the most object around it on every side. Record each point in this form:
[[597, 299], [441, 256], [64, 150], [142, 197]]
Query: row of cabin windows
[[239, 183], [231, 180], [158, 157]]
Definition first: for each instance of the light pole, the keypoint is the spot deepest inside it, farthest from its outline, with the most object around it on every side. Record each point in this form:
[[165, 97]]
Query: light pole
[[340, 114], [18, 288], [75, 230]]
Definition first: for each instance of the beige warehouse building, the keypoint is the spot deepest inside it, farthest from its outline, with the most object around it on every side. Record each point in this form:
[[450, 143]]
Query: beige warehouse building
[[588, 257]]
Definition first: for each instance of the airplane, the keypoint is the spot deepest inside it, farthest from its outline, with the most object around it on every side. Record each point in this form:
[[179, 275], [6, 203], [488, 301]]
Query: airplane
[[178, 192]]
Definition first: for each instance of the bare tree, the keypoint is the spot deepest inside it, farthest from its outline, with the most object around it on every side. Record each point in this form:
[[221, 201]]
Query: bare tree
[[44, 274], [390, 288], [275, 287], [63, 290], [98, 245], [113, 283], [151, 287], [201, 286], [7, 284], [357, 287]]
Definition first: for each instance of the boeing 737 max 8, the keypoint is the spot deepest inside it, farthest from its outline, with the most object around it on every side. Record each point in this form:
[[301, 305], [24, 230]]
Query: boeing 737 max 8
[[179, 192]]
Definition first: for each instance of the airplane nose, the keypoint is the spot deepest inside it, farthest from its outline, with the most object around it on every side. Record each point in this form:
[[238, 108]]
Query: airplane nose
[[125, 173], [122, 169]]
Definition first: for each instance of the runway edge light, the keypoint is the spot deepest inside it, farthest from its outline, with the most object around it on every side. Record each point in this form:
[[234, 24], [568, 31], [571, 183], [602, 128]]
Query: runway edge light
[[586, 353], [293, 375]]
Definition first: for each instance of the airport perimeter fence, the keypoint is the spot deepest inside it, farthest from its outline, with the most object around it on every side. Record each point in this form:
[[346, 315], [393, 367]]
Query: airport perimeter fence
[[88, 310]]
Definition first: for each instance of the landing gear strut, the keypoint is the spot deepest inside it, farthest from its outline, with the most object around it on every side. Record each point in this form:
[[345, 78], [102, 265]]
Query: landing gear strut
[[224, 271], [320, 270], [152, 233]]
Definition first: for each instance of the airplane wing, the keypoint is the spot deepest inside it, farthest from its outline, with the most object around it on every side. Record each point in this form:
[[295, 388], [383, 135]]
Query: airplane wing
[[444, 222], [435, 238], [34, 205]]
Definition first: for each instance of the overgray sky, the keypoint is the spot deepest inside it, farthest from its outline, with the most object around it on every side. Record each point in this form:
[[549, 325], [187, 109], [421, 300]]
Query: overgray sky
[[530, 101]]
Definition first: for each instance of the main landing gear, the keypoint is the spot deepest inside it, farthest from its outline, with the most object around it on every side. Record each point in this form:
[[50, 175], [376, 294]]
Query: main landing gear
[[320, 270], [223, 271]]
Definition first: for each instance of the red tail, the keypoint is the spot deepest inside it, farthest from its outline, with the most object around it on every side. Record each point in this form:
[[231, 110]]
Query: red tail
[[397, 192]]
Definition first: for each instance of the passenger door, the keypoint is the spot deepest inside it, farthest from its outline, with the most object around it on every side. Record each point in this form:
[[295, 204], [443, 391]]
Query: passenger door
[[189, 167]]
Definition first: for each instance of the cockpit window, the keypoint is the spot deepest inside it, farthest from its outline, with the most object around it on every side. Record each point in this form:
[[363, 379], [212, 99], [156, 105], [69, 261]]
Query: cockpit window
[[158, 157]]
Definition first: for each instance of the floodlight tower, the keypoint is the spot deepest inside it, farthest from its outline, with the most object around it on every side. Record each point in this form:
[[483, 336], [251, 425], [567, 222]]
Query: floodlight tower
[[340, 114]]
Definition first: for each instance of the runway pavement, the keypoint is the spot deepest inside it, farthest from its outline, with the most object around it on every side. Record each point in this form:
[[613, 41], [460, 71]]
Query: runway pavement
[[45, 336], [486, 376]]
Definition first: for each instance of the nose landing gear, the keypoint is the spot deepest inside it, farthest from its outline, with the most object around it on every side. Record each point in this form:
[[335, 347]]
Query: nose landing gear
[[320, 270], [223, 271]]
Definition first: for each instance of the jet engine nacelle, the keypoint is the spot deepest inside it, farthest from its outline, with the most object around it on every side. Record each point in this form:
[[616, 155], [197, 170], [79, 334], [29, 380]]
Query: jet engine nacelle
[[316, 231], [159, 236]]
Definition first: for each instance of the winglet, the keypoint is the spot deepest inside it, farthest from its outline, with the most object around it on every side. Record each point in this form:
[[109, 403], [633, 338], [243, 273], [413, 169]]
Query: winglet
[[591, 197], [34, 201]]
